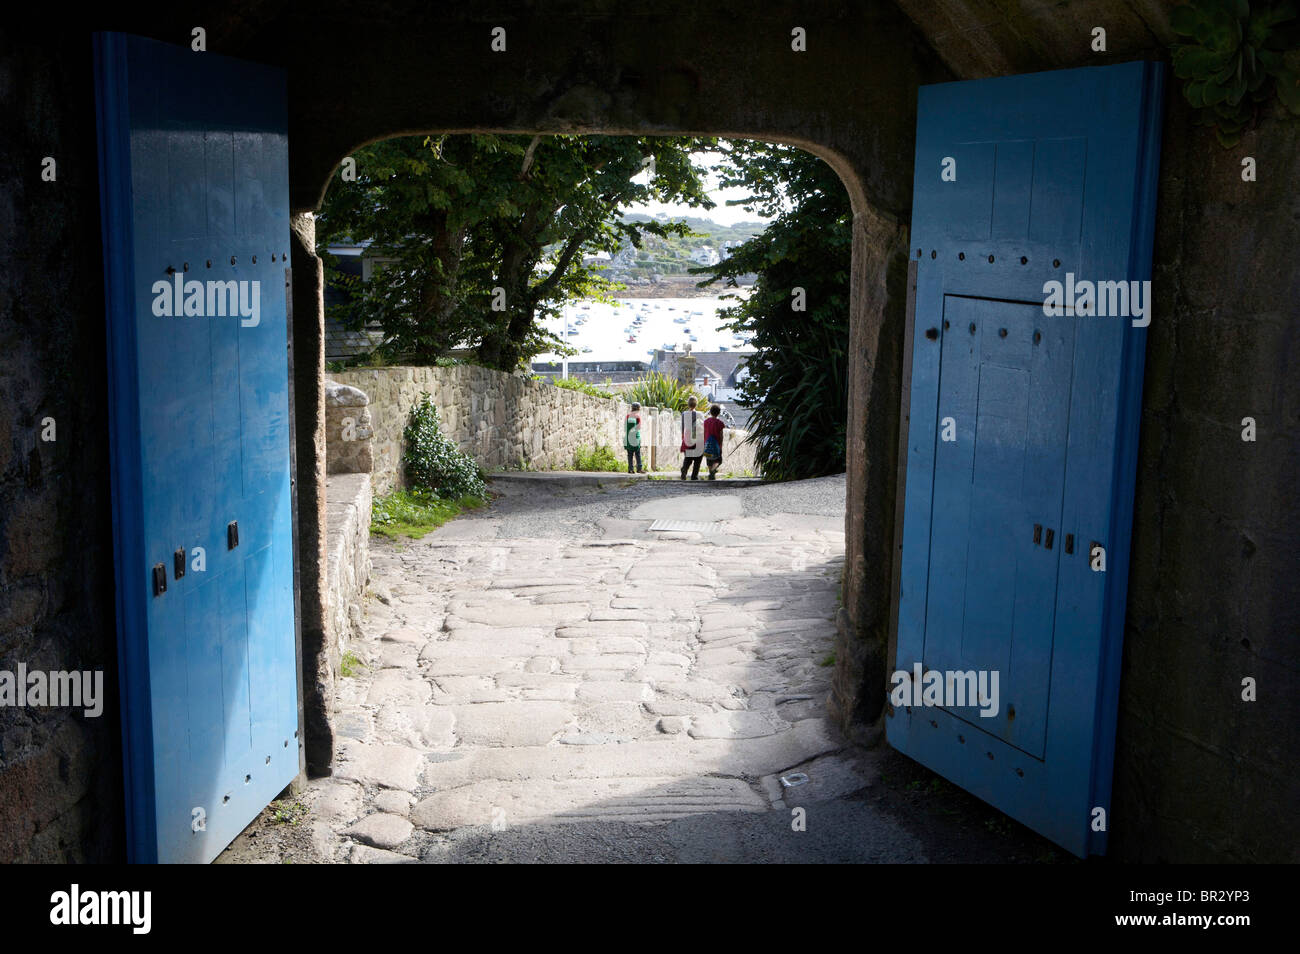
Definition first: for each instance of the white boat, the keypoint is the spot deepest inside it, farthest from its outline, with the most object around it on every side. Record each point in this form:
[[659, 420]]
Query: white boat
[[588, 350]]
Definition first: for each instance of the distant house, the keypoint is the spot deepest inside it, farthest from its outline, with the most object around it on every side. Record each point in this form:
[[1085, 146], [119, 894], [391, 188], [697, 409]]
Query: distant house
[[718, 375], [705, 255], [340, 343]]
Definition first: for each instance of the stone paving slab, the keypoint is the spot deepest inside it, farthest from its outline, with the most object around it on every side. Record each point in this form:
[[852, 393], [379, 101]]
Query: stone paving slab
[[381, 765], [672, 756], [652, 799]]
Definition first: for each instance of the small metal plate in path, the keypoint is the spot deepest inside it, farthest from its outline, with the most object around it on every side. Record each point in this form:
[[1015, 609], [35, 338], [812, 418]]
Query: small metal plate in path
[[684, 526]]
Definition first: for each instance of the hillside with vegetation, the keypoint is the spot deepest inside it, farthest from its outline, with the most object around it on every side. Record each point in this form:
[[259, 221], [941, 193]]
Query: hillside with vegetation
[[674, 255]]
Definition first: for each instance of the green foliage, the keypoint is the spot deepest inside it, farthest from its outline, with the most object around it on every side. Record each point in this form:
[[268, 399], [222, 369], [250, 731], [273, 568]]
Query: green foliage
[[477, 239], [288, 812], [599, 458], [1236, 56], [413, 513], [574, 384], [433, 461], [658, 390], [798, 377], [350, 665]]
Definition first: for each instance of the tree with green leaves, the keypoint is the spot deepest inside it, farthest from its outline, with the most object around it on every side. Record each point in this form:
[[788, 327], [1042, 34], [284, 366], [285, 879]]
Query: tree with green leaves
[[477, 239], [798, 309]]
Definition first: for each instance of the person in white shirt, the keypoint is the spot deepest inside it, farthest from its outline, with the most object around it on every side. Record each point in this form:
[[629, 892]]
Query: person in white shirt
[[692, 440]]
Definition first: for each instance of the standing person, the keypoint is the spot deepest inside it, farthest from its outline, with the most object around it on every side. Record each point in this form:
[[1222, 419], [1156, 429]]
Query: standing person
[[692, 439], [632, 439], [713, 428]]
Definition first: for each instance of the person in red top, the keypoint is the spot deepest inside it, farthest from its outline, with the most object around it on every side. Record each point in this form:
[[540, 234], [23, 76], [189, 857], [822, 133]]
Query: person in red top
[[713, 428]]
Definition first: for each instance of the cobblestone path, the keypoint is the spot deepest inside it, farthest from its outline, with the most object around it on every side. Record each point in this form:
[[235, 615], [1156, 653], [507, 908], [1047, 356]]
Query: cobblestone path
[[592, 671]]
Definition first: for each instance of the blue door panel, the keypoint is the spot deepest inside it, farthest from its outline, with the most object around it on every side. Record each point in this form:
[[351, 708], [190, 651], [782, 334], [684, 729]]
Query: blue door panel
[[193, 155], [1055, 173], [1007, 395], [1056, 196]]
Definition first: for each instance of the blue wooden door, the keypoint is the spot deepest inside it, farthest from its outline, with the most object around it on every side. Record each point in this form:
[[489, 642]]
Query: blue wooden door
[[195, 202], [1021, 423]]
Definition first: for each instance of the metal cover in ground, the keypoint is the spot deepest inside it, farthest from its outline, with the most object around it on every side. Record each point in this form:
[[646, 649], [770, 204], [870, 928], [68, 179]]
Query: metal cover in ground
[[684, 526]]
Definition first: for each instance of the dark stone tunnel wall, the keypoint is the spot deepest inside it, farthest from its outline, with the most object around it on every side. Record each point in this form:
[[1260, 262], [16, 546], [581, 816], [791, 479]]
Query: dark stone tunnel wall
[[60, 771], [1199, 774]]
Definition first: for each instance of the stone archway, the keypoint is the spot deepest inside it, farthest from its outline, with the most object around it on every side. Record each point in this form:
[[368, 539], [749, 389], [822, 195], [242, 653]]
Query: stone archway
[[849, 98]]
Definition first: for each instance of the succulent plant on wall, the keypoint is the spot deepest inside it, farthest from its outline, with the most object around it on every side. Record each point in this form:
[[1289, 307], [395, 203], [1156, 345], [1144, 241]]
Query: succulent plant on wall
[[1236, 56]]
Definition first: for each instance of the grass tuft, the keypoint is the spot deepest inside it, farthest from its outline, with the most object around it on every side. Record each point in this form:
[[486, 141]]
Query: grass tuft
[[413, 513]]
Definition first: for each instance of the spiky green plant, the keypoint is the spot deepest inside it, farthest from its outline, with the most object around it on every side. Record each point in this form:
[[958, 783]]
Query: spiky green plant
[[1237, 54], [656, 389]]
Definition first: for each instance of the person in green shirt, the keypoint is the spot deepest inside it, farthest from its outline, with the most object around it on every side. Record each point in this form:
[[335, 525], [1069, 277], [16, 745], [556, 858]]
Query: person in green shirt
[[632, 439]]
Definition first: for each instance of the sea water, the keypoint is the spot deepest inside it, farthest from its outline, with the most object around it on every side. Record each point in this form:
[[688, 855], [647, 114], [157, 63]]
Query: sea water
[[605, 328]]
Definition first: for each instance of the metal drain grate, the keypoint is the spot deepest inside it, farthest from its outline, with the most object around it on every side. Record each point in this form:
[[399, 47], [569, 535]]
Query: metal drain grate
[[684, 526]]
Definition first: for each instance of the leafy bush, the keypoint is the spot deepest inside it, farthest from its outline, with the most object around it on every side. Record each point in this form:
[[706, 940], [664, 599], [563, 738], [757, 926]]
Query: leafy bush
[[1235, 55], [658, 390], [597, 458], [574, 384], [433, 461]]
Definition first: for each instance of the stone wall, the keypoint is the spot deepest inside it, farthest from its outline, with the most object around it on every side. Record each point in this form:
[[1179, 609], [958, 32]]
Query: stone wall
[[349, 442], [348, 562], [505, 421]]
